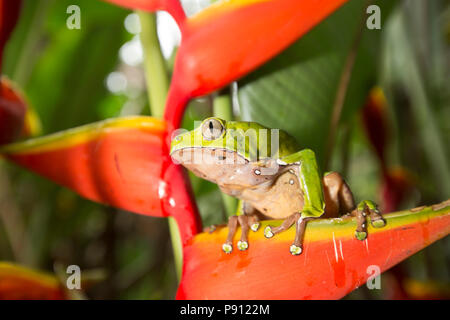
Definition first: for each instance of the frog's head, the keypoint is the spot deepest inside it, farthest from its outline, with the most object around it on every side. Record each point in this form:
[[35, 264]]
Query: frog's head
[[219, 148], [247, 140]]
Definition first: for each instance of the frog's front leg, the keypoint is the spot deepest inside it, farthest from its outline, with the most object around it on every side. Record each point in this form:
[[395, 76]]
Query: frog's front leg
[[247, 219], [297, 246], [270, 231], [314, 205]]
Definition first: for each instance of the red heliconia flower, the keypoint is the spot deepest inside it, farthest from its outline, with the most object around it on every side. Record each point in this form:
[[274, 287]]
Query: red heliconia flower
[[333, 262], [19, 283], [173, 7], [122, 162], [375, 120], [228, 39], [231, 38]]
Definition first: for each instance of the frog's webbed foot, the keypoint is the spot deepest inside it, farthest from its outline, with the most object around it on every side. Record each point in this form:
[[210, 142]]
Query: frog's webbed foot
[[363, 209], [246, 222], [297, 246]]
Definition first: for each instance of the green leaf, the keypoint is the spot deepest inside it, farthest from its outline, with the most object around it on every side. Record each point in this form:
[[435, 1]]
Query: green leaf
[[296, 90]]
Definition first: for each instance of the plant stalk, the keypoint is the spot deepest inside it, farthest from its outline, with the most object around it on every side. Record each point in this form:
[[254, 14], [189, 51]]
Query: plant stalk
[[157, 79], [27, 57], [223, 108]]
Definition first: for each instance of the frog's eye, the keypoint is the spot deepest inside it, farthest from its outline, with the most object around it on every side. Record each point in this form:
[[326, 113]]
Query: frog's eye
[[212, 129]]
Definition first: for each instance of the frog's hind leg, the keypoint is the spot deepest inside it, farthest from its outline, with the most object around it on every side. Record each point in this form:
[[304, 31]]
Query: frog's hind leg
[[337, 195], [364, 208], [361, 225], [339, 201], [376, 219]]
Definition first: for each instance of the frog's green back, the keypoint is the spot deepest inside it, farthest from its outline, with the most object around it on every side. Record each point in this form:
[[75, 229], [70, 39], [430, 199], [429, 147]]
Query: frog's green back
[[256, 142]]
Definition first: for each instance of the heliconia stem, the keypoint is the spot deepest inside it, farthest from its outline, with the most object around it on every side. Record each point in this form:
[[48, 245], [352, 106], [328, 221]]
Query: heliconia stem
[[178, 202], [223, 108]]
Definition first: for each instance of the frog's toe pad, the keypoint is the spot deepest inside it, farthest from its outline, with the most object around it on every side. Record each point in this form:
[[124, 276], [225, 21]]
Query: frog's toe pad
[[361, 235], [379, 223], [242, 245], [255, 226], [268, 232], [227, 248], [295, 250]]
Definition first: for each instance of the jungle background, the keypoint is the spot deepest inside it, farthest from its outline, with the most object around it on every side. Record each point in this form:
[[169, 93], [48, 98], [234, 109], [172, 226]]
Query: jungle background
[[74, 77]]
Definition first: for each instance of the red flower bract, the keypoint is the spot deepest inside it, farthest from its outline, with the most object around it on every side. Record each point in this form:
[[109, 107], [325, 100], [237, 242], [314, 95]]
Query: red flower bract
[[19, 283], [332, 264], [171, 6], [229, 39], [121, 162]]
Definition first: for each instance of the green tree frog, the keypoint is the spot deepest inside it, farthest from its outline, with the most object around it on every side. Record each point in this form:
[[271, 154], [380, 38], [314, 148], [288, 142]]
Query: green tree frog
[[263, 168]]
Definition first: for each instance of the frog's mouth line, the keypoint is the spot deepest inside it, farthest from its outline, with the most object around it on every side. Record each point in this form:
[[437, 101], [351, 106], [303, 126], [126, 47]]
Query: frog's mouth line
[[206, 155]]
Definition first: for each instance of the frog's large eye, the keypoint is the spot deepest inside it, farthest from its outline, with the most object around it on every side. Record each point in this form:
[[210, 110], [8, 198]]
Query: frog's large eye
[[212, 129]]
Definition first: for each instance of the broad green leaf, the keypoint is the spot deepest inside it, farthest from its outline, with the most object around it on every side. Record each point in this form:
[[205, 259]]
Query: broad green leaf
[[296, 90]]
